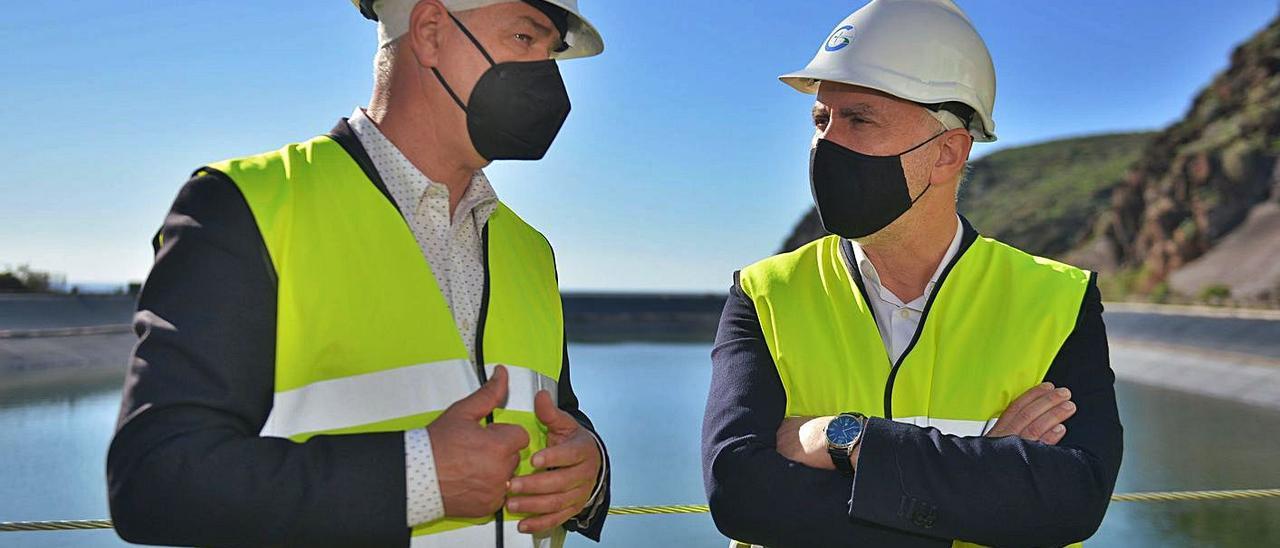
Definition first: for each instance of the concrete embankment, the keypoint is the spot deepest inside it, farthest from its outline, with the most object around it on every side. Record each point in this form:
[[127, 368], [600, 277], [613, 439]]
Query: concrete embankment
[[1240, 331], [59, 339], [51, 357], [1225, 353]]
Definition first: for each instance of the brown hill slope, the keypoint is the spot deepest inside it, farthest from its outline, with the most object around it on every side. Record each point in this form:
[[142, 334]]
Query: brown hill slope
[[1197, 182]]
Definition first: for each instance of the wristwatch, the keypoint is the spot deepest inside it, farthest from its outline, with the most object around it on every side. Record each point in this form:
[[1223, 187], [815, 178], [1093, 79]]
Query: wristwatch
[[844, 433]]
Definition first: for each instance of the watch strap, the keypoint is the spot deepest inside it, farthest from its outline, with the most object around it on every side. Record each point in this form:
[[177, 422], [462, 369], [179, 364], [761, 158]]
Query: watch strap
[[840, 458]]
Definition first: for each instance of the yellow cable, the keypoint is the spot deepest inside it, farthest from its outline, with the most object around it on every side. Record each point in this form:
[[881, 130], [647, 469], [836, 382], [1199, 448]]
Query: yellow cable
[[1157, 496]]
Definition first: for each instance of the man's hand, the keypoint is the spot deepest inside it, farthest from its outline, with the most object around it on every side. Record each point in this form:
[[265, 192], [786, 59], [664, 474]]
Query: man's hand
[[571, 463], [1037, 415], [804, 440], [473, 462]]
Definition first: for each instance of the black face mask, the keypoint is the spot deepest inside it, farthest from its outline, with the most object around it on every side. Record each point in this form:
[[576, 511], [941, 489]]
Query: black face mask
[[516, 109], [858, 195]]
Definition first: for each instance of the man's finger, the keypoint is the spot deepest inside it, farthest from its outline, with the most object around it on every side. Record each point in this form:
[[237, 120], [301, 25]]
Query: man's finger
[[541, 524], [1052, 417], [480, 403], [1027, 397], [512, 437], [1014, 422], [567, 454], [1031, 394], [553, 481], [1054, 435], [549, 503], [1039, 406], [557, 421]]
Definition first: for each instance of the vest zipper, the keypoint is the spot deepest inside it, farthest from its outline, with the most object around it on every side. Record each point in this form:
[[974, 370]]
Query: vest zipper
[[480, 372], [915, 338], [846, 249]]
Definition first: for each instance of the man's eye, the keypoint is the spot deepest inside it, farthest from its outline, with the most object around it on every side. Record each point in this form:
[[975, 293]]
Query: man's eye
[[524, 38]]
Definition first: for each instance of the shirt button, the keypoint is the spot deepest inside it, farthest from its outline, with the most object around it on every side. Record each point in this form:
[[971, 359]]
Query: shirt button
[[904, 313]]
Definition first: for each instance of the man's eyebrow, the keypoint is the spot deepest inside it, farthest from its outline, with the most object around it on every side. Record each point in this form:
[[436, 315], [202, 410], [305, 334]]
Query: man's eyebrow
[[542, 29], [860, 110]]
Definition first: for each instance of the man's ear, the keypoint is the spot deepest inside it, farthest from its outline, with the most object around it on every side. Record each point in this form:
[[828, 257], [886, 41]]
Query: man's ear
[[426, 31], [955, 147]]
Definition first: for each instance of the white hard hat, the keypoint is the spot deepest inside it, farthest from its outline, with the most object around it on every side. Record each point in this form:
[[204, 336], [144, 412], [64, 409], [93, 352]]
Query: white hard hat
[[925, 51], [393, 18]]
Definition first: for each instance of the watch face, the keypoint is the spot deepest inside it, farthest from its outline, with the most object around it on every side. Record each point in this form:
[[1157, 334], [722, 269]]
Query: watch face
[[843, 430]]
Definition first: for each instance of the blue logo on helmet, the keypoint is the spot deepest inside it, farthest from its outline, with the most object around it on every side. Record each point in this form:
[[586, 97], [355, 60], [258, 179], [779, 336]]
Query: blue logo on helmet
[[840, 38]]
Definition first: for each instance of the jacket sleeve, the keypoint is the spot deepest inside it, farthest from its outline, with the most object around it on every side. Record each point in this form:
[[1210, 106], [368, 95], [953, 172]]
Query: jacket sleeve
[[756, 494], [186, 465], [1004, 491], [590, 522]]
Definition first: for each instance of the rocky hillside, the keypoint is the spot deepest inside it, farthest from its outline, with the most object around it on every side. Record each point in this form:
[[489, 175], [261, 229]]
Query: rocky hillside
[[1191, 212], [1040, 197], [1043, 197], [1212, 178]]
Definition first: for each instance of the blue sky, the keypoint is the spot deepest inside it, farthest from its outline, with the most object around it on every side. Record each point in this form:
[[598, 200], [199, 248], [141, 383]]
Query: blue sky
[[683, 160]]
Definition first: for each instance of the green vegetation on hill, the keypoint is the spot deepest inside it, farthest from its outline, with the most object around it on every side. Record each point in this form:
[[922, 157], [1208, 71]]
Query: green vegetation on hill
[[1041, 198]]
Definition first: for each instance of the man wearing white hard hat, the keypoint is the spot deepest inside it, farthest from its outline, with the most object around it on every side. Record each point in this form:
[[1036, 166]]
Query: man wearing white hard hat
[[351, 341], [907, 381]]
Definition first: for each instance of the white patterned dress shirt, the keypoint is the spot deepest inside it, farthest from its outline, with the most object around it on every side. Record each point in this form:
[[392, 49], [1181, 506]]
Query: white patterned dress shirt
[[453, 248]]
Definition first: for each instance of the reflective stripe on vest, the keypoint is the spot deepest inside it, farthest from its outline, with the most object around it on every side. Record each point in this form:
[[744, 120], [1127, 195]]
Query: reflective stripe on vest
[[365, 341], [989, 333]]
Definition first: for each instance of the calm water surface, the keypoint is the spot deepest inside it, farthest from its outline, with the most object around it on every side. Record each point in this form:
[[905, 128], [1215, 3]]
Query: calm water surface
[[647, 401]]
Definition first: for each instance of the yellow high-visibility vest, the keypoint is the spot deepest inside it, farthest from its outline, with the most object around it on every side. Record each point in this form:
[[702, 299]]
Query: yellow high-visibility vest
[[989, 334], [365, 341]]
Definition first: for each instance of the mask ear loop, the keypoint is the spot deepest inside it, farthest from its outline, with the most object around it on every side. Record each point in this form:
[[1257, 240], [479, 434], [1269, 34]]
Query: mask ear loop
[[898, 155], [930, 185], [922, 143], [473, 39], [921, 194], [478, 46]]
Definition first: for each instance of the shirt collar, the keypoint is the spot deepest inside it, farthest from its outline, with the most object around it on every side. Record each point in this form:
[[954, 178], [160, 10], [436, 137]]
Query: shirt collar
[[872, 278], [398, 172]]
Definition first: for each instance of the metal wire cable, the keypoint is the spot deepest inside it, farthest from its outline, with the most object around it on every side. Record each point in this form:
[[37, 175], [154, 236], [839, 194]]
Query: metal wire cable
[[1156, 496]]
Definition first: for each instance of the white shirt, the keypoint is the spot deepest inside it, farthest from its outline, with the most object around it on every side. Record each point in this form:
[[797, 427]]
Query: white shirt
[[453, 247], [897, 320]]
